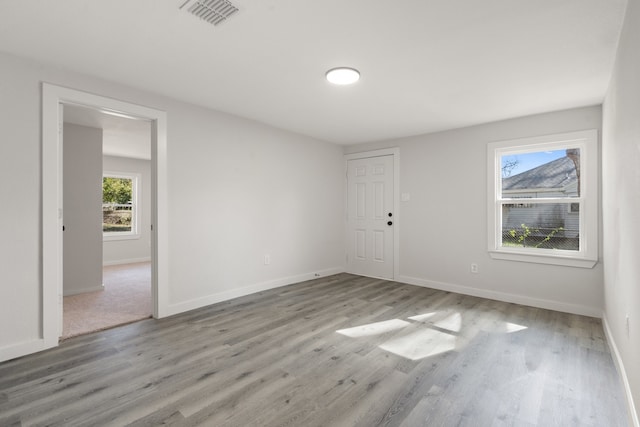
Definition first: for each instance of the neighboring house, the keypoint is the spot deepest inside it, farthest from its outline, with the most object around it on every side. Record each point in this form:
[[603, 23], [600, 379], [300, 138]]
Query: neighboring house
[[557, 178]]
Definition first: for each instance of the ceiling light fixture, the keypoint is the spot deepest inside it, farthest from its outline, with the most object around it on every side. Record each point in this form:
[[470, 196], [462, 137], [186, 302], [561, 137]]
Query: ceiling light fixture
[[343, 75]]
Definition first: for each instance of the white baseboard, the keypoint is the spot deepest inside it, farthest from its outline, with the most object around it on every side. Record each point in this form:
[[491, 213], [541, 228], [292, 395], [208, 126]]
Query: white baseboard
[[17, 350], [247, 290], [82, 291], [617, 359], [505, 297], [126, 261]]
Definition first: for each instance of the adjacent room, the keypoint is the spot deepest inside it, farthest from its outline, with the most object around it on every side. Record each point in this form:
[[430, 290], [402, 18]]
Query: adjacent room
[[320, 214], [107, 236]]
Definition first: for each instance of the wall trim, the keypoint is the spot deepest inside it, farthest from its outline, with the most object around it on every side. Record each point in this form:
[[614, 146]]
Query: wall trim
[[51, 209], [126, 261], [13, 351], [505, 297], [617, 360], [247, 290]]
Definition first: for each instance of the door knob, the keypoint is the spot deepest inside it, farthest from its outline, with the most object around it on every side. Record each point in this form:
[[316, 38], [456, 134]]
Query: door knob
[[390, 223]]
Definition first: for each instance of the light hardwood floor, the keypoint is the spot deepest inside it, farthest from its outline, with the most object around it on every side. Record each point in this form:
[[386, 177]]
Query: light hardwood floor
[[337, 351]]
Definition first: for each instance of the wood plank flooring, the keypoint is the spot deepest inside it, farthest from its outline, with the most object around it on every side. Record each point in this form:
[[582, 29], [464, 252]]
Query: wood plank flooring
[[337, 351]]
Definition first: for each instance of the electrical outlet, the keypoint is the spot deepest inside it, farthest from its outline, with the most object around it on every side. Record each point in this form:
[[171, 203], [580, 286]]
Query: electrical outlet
[[474, 268], [267, 260]]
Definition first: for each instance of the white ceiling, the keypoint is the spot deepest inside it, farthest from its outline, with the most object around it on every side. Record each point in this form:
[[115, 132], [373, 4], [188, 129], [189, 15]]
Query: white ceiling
[[427, 65], [123, 137]]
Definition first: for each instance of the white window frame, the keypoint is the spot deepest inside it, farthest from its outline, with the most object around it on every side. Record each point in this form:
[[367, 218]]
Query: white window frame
[[587, 255], [135, 215]]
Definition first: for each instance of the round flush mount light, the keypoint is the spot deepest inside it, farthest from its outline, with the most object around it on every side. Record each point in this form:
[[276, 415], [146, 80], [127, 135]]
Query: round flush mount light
[[343, 75]]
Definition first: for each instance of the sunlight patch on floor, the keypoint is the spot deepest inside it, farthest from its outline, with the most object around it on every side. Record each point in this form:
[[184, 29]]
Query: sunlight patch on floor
[[372, 329], [452, 322], [420, 344], [513, 327], [423, 317], [424, 335]]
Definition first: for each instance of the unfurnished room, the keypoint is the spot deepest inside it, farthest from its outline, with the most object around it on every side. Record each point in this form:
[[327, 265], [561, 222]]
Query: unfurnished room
[[302, 213]]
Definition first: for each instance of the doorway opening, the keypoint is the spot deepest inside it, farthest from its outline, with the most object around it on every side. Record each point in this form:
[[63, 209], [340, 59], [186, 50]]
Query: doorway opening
[[53, 208], [107, 216]]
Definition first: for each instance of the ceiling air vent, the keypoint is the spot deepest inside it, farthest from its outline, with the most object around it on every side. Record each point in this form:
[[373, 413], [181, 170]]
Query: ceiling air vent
[[212, 11]]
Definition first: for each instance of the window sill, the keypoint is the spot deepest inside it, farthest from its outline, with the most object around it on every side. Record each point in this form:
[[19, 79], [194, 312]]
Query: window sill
[[566, 261], [120, 236]]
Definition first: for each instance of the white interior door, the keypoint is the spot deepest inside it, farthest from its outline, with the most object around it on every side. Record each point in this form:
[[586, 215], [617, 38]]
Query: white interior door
[[370, 216]]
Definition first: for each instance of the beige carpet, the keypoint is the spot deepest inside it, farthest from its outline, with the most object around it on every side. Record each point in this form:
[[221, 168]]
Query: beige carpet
[[126, 298]]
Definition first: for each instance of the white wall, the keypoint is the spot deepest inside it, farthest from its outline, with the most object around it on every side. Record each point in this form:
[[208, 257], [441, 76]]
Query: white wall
[[82, 192], [20, 316], [258, 191], [621, 202], [443, 228], [237, 189], [131, 250]]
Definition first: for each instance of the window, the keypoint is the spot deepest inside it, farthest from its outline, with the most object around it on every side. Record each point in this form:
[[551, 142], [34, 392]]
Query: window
[[120, 206], [543, 199]]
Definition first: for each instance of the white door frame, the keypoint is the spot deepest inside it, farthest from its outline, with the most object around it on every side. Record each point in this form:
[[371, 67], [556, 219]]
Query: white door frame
[[52, 97], [395, 152]]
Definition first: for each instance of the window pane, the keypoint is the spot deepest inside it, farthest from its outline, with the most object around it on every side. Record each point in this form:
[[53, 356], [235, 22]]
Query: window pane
[[541, 174], [543, 226], [116, 218], [117, 204]]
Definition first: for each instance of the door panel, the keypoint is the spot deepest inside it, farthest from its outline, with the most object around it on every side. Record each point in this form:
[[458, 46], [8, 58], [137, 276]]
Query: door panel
[[369, 224], [82, 203]]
